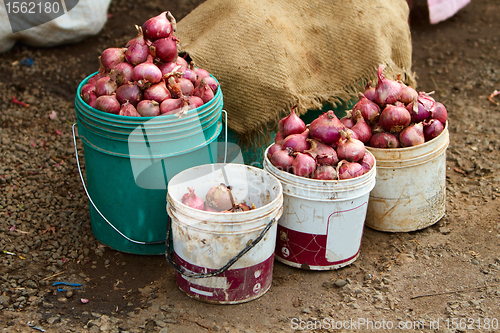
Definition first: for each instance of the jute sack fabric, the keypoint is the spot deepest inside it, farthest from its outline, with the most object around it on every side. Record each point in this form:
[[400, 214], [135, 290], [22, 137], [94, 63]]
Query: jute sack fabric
[[269, 55]]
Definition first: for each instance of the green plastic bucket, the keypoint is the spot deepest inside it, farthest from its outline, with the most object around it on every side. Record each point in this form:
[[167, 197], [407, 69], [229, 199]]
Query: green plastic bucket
[[128, 163]]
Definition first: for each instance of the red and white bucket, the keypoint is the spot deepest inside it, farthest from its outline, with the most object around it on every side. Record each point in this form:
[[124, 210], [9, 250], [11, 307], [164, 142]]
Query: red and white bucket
[[322, 222], [205, 243]]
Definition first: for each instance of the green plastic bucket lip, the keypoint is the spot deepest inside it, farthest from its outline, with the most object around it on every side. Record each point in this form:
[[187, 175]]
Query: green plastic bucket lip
[[113, 118], [188, 131]]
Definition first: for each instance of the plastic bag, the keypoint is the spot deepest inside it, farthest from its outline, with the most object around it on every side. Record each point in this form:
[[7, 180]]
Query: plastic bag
[[50, 22]]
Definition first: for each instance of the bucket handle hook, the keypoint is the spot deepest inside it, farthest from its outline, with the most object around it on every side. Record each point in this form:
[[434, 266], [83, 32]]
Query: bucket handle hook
[[224, 268]]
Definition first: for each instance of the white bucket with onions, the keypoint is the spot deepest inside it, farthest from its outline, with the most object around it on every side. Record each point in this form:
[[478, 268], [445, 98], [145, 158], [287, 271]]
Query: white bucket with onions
[[323, 220], [411, 186], [225, 258]]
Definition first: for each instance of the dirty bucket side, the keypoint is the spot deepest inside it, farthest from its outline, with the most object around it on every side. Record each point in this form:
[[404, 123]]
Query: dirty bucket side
[[128, 163], [321, 227], [205, 241], [410, 193]]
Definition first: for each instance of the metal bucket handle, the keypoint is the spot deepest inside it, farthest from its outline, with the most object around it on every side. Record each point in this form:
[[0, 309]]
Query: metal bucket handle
[[223, 268], [99, 212]]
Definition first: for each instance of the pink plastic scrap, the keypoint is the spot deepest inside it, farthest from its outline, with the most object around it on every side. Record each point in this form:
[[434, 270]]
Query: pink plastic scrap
[[440, 10]]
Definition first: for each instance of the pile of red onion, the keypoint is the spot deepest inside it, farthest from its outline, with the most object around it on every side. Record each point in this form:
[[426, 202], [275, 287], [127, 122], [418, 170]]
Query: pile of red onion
[[147, 77], [218, 199], [325, 149], [393, 115]]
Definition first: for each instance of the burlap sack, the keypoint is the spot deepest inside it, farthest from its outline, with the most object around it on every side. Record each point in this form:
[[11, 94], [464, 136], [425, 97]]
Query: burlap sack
[[271, 54]]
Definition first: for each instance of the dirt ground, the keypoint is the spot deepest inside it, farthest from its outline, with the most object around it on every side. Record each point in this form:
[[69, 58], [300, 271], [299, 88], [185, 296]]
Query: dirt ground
[[444, 278]]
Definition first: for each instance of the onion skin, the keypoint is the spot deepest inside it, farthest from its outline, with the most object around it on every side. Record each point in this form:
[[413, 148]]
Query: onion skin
[[194, 102], [325, 172], [369, 109], [387, 91], [408, 94], [384, 140], [322, 153], [129, 92], [326, 128], [171, 106], [157, 92], [137, 49], [412, 135], [350, 149], [367, 162], [107, 104], [87, 90], [219, 198], [190, 199], [157, 27], [148, 72], [122, 73], [291, 124], [186, 86], [165, 49], [432, 129], [283, 159], [105, 86], [394, 118], [128, 110], [303, 165], [361, 128], [349, 170], [440, 113], [147, 108], [297, 142]]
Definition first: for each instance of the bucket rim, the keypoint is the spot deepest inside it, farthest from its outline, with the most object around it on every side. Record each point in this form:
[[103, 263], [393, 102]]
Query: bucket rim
[[115, 117], [258, 210]]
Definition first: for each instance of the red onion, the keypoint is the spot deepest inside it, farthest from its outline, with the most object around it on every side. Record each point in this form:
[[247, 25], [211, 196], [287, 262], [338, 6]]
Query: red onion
[[157, 92], [394, 118], [347, 120], [174, 87], [172, 105], [111, 57], [361, 128], [128, 110], [432, 128], [190, 75], [412, 135], [107, 104], [204, 91], [219, 197], [212, 83], [387, 91], [86, 92], [325, 172], [137, 49], [129, 92], [440, 113], [422, 108], [369, 110], [297, 142], [93, 79], [207, 208], [384, 140], [291, 124], [190, 199], [322, 153], [279, 138], [165, 49], [303, 165], [367, 162], [194, 102], [180, 61], [326, 128], [168, 68], [272, 149], [105, 86], [147, 72], [348, 170], [92, 99], [147, 108], [408, 94], [158, 26], [350, 149], [200, 72], [122, 73], [369, 91], [185, 85], [283, 159]]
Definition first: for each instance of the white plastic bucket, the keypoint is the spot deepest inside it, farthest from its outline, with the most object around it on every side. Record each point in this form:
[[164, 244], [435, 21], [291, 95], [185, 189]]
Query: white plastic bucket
[[203, 242], [322, 222], [411, 186]]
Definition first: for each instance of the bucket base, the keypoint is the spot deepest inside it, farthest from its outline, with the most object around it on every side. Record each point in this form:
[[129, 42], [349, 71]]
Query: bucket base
[[234, 286], [318, 268], [409, 228]]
